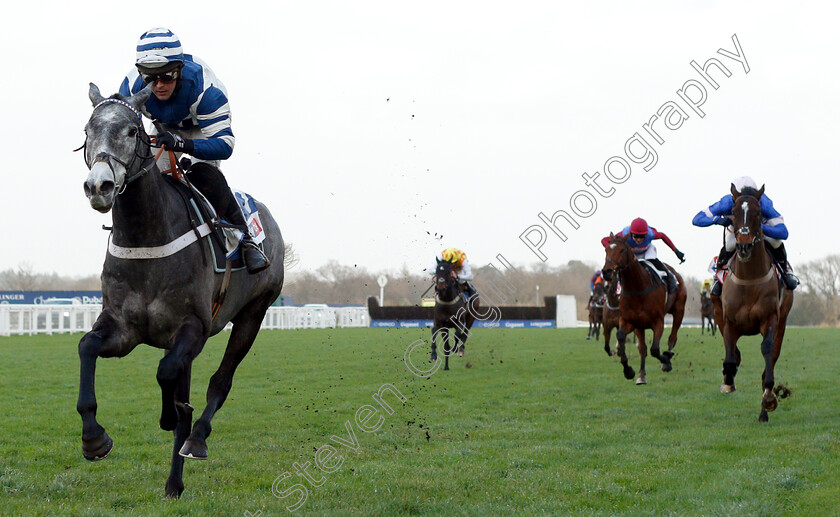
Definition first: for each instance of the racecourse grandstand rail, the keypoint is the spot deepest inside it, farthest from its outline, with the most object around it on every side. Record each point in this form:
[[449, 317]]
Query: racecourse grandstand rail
[[18, 319]]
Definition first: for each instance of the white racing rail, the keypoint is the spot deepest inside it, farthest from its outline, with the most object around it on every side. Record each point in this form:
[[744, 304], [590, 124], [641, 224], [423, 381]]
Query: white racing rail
[[64, 319]]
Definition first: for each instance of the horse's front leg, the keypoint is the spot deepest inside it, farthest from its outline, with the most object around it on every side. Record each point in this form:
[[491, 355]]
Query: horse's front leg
[[188, 341], [768, 350], [642, 346], [434, 356], [623, 329], [732, 358], [101, 341]]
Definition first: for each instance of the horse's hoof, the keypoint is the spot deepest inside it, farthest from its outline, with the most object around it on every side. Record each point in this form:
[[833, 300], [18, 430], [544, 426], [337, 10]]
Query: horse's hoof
[[194, 448], [433, 358], [461, 351], [769, 404], [174, 490], [763, 418], [629, 372], [608, 351], [588, 338], [97, 448], [666, 367], [640, 381], [726, 388]]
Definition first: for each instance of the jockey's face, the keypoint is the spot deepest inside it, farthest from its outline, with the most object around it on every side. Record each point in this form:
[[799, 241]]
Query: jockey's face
[[163, 91], [638, 238]]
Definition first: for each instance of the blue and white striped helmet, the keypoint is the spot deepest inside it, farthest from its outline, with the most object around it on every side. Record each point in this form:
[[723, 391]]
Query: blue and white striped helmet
[[157, 48]]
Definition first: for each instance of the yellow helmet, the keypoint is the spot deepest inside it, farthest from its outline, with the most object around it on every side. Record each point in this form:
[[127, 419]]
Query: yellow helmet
[[453, 255]]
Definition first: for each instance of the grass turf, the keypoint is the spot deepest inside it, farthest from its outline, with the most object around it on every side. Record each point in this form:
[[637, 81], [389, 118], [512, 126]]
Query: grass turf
[[542, 422]]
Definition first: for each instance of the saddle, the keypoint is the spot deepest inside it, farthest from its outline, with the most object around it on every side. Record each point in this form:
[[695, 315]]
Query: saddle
[[225, 239]]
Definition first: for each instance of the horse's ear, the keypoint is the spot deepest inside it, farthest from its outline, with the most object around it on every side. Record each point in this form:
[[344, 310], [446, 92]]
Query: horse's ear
[[139, 99], [94, 95], [760, 192], [734, 191], [624, 237]]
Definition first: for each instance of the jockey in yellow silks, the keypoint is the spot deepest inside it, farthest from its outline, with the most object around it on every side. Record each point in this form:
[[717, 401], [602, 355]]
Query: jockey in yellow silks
[[461, 267]]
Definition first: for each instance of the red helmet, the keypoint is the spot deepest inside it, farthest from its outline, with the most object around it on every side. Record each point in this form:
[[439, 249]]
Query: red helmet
[[639, 226]]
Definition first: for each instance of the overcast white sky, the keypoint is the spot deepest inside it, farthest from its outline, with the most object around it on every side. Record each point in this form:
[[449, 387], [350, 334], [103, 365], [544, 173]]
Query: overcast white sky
[[367, 127]]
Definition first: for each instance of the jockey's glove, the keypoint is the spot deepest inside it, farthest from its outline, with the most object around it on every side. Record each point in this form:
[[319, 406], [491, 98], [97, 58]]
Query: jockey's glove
[[723, 221], [174, 142], [680, 255]]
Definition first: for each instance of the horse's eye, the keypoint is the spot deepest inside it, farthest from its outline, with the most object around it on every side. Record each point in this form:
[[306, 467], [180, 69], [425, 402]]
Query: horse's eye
[[132, 131]]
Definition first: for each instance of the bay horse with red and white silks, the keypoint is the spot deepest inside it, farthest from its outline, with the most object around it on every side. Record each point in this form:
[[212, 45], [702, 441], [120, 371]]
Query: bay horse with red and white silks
[[752, 301], [643, 304]]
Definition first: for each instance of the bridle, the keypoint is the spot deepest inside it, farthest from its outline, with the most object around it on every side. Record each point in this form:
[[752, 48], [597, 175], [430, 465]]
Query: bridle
[[110, 158], [447, 283]]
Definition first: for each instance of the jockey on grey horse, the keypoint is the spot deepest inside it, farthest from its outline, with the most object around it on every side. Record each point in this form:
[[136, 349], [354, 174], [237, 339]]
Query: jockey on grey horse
[[191, 101]]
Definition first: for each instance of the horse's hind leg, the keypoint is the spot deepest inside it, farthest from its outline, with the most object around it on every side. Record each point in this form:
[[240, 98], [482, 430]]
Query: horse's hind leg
[[771, 353], [678, 315], [246, 326], [175, 483], [621, 335]]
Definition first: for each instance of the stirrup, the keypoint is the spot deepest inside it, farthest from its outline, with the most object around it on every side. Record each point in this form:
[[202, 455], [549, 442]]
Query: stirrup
[[255, 259], [717, 288]]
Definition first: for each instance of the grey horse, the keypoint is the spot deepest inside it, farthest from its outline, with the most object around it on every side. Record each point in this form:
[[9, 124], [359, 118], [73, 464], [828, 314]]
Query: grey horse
[[163, 295]]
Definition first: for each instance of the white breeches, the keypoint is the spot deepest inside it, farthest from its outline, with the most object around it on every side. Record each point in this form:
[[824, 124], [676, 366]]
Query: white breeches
[[729, 240]]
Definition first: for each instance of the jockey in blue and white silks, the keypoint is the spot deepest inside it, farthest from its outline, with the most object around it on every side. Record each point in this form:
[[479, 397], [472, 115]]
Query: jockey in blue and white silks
[[772, 225], [192, 103]]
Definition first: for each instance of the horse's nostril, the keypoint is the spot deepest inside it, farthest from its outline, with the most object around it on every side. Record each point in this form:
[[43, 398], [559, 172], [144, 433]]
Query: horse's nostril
[[87, 189], [106, 188]]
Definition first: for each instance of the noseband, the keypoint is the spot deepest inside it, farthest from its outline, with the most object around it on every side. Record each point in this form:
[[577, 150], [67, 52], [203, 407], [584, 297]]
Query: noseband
[[110, 158]]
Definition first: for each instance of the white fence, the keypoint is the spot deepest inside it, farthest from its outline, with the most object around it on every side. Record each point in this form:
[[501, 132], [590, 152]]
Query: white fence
[[58, 319]]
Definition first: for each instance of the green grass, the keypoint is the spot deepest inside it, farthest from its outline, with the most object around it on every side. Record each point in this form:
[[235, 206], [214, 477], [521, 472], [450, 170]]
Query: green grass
[[542, 423]]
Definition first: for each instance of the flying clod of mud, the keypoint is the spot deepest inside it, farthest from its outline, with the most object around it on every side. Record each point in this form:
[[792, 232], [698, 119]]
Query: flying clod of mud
[[782, 391]]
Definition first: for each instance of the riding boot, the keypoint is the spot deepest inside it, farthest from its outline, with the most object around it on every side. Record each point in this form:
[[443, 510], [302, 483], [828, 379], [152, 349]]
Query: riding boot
[[468, 289], [780, 257], [722, 261], [255, 259]]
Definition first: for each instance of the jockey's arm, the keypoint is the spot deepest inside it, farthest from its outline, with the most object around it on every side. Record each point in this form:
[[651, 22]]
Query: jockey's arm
[[774, 224], [606, 240], [661, 236], [212, 112], [465, 274], [714, 214]]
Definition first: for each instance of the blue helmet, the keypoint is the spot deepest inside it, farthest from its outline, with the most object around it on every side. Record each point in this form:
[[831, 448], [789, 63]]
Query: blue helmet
[[159, 50]]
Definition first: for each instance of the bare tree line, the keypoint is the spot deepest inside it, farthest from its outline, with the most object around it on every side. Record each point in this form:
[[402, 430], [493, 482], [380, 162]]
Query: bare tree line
[[817, 301]]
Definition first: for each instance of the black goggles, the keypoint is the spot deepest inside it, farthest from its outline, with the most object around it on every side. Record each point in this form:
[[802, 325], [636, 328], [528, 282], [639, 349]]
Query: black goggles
[[167, 78], [638, 235]]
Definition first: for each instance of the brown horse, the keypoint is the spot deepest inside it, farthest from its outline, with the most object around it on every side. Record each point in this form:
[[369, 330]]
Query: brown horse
[[707, 313], [752, 300], [596, 311], [643, 304], [610, 313]]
